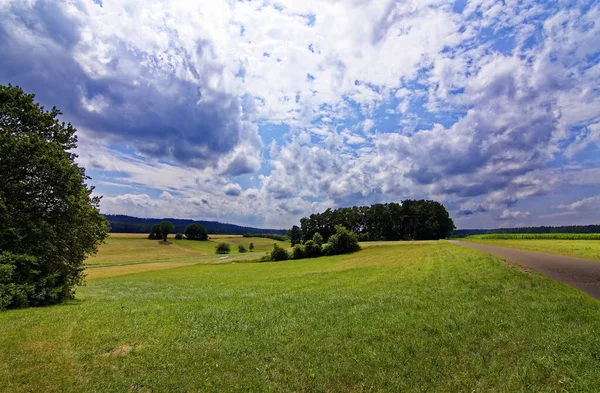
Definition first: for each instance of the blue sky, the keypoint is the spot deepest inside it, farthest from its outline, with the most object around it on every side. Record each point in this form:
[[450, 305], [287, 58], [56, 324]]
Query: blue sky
[[260, 112]]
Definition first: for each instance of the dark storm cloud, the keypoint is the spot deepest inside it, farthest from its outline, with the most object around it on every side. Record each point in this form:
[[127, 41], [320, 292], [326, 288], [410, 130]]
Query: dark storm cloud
[[156, 112]]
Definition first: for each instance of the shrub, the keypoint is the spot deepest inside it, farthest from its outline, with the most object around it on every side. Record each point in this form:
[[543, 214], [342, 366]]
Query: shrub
[[251, 247], [223, 248], [342, 242], [298, 252], [278, 253], [179, 236], [327, 250], [312, 249], [155, 233], [242, 248], [266, 258], [195, 232]]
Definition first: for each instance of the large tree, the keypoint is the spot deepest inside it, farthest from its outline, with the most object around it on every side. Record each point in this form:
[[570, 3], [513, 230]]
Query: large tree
[[50, 220]]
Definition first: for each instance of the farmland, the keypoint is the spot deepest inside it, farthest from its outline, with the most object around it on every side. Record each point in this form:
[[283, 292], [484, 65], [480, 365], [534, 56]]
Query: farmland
[[403, 317], [585, 246]]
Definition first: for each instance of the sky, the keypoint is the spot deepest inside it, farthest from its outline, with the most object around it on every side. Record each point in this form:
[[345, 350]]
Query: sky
[[262, 112]]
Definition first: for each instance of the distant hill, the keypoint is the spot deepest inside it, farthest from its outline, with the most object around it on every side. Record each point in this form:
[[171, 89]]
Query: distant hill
[[543, 229], [127, 224]]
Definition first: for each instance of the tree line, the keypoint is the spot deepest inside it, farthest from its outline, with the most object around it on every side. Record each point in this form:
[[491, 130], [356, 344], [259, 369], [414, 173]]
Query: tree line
[[541, 229], [408, 220]]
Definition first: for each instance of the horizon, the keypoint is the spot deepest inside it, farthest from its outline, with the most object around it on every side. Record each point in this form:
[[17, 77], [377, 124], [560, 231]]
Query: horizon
[[260, 113]]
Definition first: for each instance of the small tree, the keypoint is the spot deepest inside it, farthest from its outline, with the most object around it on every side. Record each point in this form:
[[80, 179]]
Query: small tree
[[242, 248], [279, 254], [318, 239], [166, 227], [223, 248], [251, 247], [295, 235], [195, 232]]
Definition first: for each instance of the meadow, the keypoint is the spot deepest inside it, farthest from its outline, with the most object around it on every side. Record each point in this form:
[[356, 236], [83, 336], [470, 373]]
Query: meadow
[[134, 253], [402, 317], [585, 246]]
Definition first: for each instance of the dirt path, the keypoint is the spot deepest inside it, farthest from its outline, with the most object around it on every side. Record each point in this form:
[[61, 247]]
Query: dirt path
[[579, 273]]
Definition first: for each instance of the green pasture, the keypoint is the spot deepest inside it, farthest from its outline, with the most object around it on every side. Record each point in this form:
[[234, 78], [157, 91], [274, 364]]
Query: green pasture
[[408, 317], [587, 249]]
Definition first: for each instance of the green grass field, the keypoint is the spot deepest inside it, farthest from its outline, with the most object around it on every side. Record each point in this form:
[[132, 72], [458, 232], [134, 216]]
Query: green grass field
[[408, 317], [588, 249], [537, 236]]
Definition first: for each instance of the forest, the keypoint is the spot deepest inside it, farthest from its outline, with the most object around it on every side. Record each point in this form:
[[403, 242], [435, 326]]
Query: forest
[[408, 220]]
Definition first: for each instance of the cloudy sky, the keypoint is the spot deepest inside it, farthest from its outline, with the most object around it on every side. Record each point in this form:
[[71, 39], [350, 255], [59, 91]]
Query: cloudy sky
[[261, 112]]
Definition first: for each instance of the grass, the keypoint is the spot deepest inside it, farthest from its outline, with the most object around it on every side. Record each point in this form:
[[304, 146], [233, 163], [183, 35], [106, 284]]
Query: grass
[[412, 317], [587, 249], [537, 236]]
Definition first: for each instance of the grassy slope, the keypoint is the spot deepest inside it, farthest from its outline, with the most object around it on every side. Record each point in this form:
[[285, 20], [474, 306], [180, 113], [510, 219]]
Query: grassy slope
[[412, 318], [588, 249]]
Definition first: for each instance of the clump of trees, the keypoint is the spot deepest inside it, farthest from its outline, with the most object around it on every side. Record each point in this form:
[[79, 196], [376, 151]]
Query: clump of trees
[[409, 220], [195, 232], [341, 242], [50, 220]]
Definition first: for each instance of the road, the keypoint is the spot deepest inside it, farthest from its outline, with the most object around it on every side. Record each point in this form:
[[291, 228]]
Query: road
[[578, 273]]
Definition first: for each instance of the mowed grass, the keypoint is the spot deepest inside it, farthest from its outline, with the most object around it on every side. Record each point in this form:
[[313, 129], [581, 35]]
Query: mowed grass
[[587, 249], [414, 318]]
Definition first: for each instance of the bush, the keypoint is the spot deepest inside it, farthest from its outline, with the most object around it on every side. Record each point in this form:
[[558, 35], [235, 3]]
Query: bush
[[223, 248], [312, 249], [242, 248], [266, 258], [342, 242], [195, 232], [251, 247], [298, 252], [327, 250], [179, 236], [279, 254]]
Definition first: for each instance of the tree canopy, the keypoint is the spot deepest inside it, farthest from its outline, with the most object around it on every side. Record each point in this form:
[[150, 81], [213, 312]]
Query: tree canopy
[[50, 220], [166, 227], [409, 220], [195, 232]]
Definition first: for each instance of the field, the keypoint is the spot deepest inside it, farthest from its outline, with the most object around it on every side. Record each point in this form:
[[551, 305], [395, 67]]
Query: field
[[134, 253], [580, 248], [404, 317], [537, 236]]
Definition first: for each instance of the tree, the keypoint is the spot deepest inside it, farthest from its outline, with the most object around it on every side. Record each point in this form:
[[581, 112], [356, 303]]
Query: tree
[[295, 235], [155, 233], [242, 248], [251, 247], [50, 220], [297, 252], [166, 227], [195, 232]]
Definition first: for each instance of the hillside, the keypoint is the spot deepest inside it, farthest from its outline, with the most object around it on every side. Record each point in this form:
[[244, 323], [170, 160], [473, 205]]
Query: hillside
[[127, 224]]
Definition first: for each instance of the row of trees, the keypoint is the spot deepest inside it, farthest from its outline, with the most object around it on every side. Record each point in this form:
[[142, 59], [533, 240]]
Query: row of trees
[[409, 220], [191, 232]]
